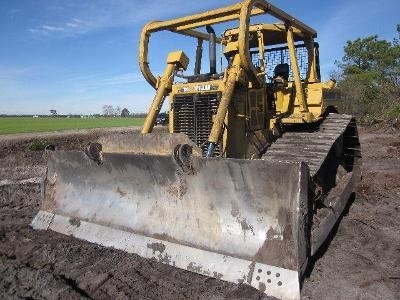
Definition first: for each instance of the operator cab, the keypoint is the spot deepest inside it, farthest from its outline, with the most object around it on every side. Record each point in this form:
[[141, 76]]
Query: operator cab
[[270, 53]]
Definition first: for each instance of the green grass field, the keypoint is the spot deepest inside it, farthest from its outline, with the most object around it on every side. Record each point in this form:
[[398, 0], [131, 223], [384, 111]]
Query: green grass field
[[10, 125]]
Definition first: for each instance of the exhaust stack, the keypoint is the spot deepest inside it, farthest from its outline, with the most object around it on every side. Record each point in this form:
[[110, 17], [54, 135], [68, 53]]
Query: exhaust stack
[[199, 53], [212, 51]]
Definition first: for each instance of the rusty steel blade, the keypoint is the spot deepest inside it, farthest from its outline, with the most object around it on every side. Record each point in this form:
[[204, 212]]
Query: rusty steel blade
[[237, 220]]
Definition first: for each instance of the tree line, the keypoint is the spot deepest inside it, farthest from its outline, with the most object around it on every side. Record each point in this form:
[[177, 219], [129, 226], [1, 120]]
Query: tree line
[[117, 111], [369, 78]]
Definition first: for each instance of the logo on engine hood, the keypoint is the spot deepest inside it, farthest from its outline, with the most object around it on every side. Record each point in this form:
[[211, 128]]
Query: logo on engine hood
[[198, 88]]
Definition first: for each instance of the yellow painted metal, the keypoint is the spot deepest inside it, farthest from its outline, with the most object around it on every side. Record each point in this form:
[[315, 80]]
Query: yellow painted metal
[[260, 37], [296, 102], [274, 33], [300, 118], [235, 142], [296, 73], [243, 41], [233, 76], [165, 83], [241, 11], [229, 13], [216, 20], [198, 20], [218, 86], [231, 47], [330, 84], [175, 60], [284, 101], [330, 95], [143, 56], [197, 34], [312, 75], [178, 58], [290, 111]]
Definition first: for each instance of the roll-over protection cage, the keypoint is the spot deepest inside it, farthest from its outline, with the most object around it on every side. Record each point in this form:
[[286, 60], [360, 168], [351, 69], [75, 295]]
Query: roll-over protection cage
[[240, 11]]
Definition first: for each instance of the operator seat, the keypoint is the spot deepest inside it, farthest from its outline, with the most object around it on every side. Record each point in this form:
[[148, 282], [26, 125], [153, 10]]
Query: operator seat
[[282, 70]]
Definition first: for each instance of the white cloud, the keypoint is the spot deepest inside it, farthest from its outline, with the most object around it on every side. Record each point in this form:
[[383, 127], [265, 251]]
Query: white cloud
[[77, 18], [92, 81], [72, 27], [80, 17], [52, 28], [123, 79], [75, 23]]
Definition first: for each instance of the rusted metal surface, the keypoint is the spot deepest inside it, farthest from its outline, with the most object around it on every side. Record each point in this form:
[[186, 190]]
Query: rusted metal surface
[[274, 281], [213, 211], [222, 205], [152, 143]]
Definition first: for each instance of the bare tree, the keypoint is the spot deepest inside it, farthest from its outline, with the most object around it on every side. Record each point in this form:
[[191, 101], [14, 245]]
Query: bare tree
[[108, 110], [113, 111], [117, 111]]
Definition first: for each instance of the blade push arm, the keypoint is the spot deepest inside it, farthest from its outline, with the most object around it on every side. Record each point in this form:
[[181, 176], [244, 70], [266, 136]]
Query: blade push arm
[[234, 73], [176, 60]]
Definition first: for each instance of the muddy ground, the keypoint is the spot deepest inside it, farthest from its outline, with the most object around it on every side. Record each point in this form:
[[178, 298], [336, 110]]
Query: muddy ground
[[361, 260]]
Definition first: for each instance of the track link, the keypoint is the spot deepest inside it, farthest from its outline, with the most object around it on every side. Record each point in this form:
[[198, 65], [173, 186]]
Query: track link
[[312, 147]]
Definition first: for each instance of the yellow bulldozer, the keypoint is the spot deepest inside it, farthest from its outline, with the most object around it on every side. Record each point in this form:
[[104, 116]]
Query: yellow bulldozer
[[255, 171]]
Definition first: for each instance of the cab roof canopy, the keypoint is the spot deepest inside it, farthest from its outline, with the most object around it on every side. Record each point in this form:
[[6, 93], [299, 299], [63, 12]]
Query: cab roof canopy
[[273, 34], [188, 25]]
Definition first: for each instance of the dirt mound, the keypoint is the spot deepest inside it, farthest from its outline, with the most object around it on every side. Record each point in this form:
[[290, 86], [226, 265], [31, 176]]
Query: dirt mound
[[363, 259]]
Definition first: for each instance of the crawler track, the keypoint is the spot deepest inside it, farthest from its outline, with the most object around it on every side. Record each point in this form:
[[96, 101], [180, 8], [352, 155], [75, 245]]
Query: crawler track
[[332, 153], [313, 147]]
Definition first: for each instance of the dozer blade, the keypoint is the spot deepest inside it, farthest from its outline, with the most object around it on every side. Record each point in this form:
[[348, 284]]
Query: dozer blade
[[243, 221]]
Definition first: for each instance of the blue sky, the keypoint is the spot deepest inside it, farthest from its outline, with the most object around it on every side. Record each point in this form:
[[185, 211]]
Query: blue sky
[[76, 56]]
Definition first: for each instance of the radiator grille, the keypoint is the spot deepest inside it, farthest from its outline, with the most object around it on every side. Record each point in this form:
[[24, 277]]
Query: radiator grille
[[193, 116]]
